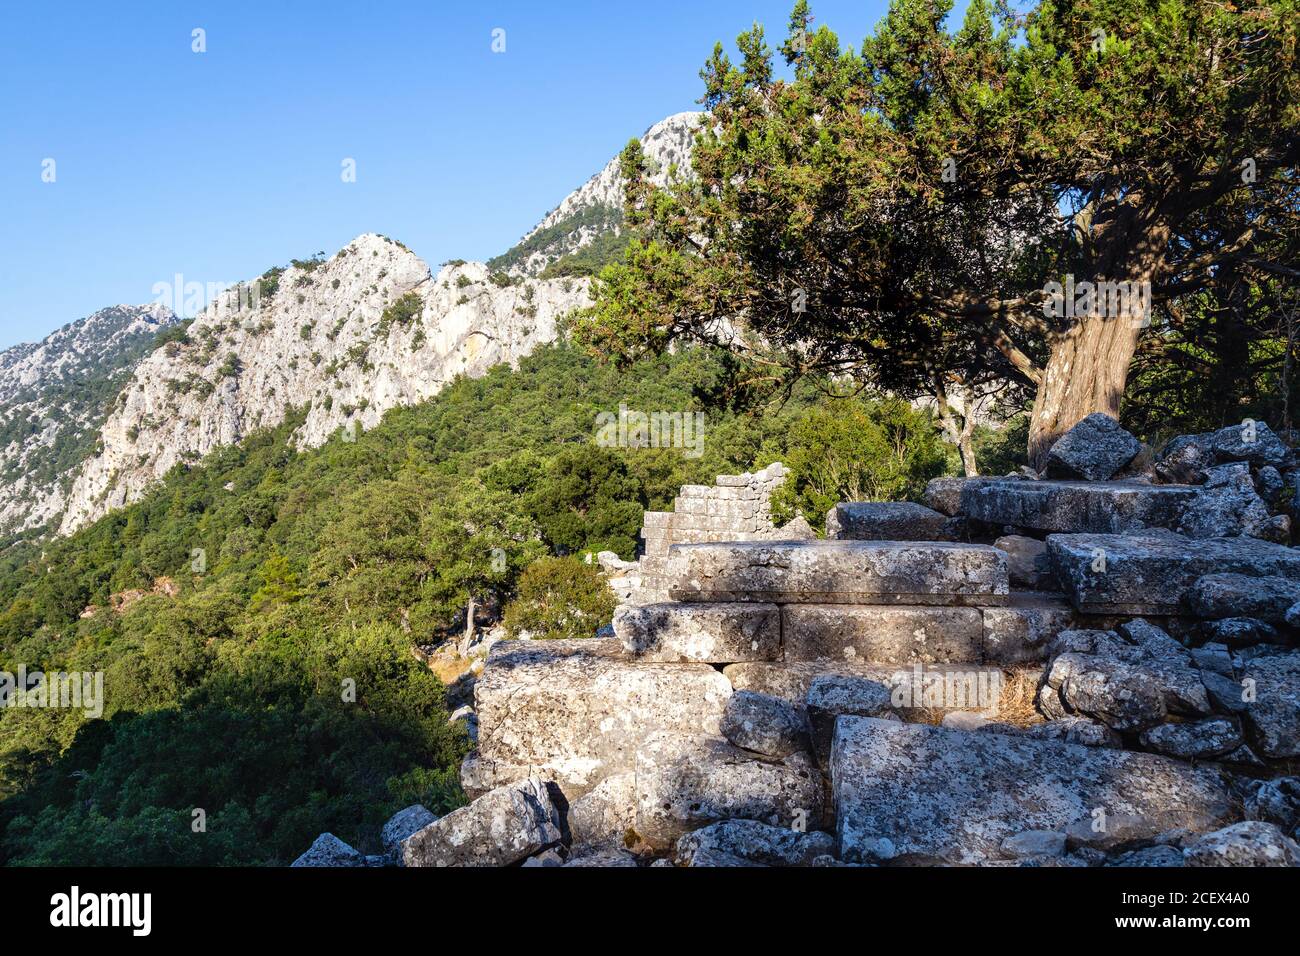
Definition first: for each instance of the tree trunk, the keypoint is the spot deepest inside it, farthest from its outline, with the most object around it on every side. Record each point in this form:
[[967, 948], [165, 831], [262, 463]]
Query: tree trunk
[[959, 435], [469, 624]]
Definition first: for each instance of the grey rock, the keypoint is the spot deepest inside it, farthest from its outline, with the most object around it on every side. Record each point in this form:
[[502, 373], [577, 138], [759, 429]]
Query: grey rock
[[604, 815], [832, 695], [1226, 506], [885, 521], [501, 827], [1161, 856], [764, 724], [1078, 506], [1275, 801], [547, 858], [1199, 740], [1269, 483], [401, 825], [944, 494], [1274, 715], [838, 572], [755, 842], [1243, 595], [1251, 441], [1035, 843], [703, 633], [575, 711], [1119, 694], [711, 858], [1239, 631], [1226, 693], [796, 529], [605, 856], [685, 782], [1185, 459], [329, 850], [912, 792], [967, 720], [1020, 632], [1075, 730], [1293, 615], [1106, 830], [1250, 843], [1094, 449], [883, 634], [1028, 565], [1150, 574], [1213, 656]]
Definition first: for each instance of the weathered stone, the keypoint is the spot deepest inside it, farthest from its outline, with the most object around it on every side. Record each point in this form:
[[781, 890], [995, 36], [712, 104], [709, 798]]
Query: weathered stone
[[1226, 693], [703, 633], [1243, 595], [1269, 483], [685, 782], [839, 572], [833, 695], [1107, 831], [604, 856], [1293, 615], [755, 842], [967, 720], [329, 850], [944, 494], [401, 825], [710, 858], [1274, 714], [915, 792], [885, 521], [1119, 694], [604, 815], [1213, 656], [1175, 668], [1078, 506], [1161, 856], [796, 529], [1020, 632], [501, 827], [1199, 740], [547, 858], [1250, 843], [575, 711], [1150, 574], [1250, 441], [881, 634], [1028, 565], [1094, 449], [764, 724], [1226, 506], [1075, 730], [1275, 801], [1035, 843], [1184, 459], [1239, 631]]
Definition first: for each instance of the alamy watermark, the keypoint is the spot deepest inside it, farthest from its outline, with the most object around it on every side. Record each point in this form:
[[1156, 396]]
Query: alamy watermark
[[68, 690], [633, 429]]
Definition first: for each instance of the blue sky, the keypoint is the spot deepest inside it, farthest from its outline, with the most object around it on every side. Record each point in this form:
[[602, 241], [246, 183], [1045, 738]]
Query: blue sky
[[221, 164]]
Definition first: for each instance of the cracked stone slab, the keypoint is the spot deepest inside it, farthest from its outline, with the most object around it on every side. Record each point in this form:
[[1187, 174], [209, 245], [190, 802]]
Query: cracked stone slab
[[918, 793], [1076, 506], [839, 572]]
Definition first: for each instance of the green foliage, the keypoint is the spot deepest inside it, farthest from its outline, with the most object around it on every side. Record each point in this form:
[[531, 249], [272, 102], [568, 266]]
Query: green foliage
[[1000, 451], [560, 598], [598, 218], [401, 313]]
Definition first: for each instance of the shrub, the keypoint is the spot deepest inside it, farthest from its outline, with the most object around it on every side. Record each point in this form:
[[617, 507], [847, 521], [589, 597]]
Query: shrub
[[560, 598]]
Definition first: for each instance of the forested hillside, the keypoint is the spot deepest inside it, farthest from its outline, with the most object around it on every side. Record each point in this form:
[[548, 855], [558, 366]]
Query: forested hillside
[[232, 607]]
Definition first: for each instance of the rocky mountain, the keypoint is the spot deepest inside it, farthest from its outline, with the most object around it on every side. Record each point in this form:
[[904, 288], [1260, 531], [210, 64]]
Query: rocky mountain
[[54, 395], [592, 215]]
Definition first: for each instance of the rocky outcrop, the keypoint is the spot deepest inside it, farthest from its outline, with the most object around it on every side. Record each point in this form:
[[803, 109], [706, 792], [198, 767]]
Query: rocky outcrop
[[329, 850], [1094, 449], [501, 827]]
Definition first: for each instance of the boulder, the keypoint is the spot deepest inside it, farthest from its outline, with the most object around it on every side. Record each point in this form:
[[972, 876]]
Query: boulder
[[1035, 843], [685, 781], [547, 858], [838, 572], [703, 633], [913, 792], [881, 634], [764, 724], [1227, 694], [1213, 656], [833, 695], [1028, 565], [796, 529], [885, 521], [1273, 715], [1078, 506], [1075, 730], [1227, 506], [1151, 573], [1184, 459], [755, 842], [575, 711], [603, 856], [604, 815], [401, 825], [1198, 740], [1269, 483], [1239, 631], [1161, 856], [501, 827], [1275, 801], [1119, 694], [1094, 449], [1243, 595], [1251, 441], [1105, 831], [944, 494], [1250, 843], [329, 850]]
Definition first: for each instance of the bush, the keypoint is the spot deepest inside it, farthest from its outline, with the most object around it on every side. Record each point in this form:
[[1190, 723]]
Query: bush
[[560, 598]]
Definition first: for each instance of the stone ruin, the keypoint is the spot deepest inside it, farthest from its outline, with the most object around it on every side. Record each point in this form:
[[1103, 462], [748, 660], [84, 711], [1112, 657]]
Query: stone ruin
[[1093, 666]]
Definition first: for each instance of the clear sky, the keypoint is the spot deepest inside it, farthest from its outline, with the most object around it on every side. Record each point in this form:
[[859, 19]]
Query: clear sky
[[219, 165]]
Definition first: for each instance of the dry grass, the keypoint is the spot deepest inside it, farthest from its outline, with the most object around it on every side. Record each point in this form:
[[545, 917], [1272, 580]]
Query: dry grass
[[1016, 705]]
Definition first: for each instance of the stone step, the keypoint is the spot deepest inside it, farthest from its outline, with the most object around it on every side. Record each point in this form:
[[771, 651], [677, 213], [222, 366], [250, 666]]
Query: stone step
[[703, 633], [575, 711], [886, 521], [917, 793], [1151, 573], [839, 572], [881, 634], [1077, 506]]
